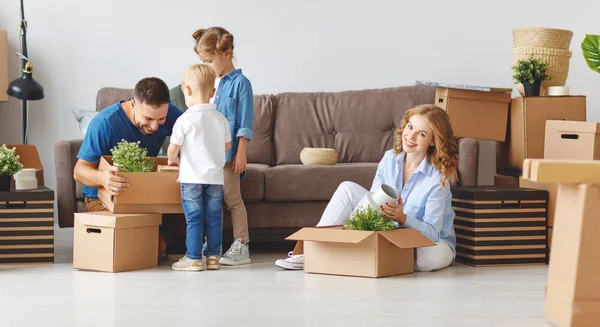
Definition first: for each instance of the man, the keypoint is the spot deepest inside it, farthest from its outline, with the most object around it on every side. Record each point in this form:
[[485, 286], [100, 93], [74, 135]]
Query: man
[[148, 118]]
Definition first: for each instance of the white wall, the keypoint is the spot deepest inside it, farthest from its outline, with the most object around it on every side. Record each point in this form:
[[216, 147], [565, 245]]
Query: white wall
[[79, 46]]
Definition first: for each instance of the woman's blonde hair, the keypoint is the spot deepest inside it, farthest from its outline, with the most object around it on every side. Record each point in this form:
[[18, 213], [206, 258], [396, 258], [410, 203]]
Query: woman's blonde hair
[[443, 155]]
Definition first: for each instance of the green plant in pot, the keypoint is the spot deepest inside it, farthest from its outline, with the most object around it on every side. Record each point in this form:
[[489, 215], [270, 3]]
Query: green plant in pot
[[9, 165], [531, 73], [368, 219], [132, 158], [591, 51]]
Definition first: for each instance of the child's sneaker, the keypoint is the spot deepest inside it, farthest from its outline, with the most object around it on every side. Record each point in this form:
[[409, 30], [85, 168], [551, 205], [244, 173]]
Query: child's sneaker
[[294, 262], [238, 254], [187, 264], [212, 263]]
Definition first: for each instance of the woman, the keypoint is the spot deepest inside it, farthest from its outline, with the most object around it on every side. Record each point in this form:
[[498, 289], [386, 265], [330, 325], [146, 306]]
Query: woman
[[420, 167]]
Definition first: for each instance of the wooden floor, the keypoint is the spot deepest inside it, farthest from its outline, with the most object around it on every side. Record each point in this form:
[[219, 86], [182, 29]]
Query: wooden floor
[[263, 295]]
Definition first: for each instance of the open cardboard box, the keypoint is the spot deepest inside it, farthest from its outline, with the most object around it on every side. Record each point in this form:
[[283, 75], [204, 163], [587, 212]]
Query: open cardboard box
[[29, 158], [336, 251], [152, 192]]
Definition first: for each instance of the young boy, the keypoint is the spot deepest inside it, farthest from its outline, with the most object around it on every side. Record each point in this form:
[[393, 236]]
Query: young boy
[[202, 134]]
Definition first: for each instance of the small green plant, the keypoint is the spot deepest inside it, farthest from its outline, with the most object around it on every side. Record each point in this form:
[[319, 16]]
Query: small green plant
[[368, 219], [130, 157], [591, 51], [530, 71], [9, 161]]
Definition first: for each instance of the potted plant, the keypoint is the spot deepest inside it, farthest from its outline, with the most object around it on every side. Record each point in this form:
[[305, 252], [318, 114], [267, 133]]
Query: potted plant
[[531, 73], [368, 219], [130, 157], [9, 165], [591, 51]]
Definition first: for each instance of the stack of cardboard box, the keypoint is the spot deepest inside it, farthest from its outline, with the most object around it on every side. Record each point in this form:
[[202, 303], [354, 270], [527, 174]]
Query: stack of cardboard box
[[126, 237], [572, 292], [534, 130]]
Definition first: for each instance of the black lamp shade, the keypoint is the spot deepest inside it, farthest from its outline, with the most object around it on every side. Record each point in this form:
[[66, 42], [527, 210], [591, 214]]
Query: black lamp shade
[[26, 88]]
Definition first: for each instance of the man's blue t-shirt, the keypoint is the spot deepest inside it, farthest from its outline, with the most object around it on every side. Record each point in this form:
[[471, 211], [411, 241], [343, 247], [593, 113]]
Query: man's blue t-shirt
[[110, 126]]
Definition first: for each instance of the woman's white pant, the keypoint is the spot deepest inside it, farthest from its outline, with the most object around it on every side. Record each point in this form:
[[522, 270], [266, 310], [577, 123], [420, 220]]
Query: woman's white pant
[[347, 196]]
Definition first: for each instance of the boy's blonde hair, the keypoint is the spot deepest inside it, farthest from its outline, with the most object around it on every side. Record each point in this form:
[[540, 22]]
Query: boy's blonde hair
[[200, 77]]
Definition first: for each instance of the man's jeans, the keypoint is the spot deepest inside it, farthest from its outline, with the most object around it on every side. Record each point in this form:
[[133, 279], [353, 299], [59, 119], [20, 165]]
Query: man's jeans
[[202, 206]]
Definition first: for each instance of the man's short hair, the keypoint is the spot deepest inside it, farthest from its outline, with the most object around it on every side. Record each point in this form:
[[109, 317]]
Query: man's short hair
[[152, 91]]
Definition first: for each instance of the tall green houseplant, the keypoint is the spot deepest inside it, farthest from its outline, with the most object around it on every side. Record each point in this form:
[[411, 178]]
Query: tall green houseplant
[[591, 51]]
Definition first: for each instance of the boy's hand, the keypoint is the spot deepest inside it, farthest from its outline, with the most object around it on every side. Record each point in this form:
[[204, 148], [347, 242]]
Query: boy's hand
[[239, 163], [174, 162]]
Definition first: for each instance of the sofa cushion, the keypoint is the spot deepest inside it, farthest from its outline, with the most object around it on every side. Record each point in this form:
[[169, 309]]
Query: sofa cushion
[[260, 148], [253, 185], [359, 125], [314, 183]]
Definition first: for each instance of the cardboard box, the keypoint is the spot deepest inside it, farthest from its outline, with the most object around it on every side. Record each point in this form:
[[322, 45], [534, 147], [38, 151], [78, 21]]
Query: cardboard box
[[333, 250], [27, 227], [29, 158], [506, 180], [500, 225], [562, 171], [152, 192], [466, 107], [573, 290], [527, 128], [108, 242], [572, 140], [3, 65]]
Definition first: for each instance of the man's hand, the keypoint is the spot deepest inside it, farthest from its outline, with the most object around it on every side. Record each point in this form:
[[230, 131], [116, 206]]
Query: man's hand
[[395, 210], [112, 183], [239, 162]]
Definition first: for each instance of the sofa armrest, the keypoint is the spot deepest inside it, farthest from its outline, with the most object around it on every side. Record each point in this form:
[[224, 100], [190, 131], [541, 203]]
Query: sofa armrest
[[468, 161], [65, 155]]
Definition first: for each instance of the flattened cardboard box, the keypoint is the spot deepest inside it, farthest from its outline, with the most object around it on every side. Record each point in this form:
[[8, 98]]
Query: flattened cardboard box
[[152, 192], [573, 289], [572, 140], [335, 251], [466, 107], [103, 241], [527, 128], [29, 158], [506, 180], [3, 65]]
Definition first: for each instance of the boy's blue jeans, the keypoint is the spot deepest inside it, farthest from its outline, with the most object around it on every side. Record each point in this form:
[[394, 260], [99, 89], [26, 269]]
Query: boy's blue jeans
[[202, 207]]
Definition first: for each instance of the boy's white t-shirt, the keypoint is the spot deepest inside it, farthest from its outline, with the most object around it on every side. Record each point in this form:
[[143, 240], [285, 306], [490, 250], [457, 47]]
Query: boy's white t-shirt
[[201, 132]]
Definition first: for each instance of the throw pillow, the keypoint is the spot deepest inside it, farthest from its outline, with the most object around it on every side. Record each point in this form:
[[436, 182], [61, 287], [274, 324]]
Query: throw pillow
[[84, 117]]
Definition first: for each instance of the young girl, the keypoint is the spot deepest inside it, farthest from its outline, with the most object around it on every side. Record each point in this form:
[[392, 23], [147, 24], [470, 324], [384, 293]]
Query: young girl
[[420, 167], [234, 99]]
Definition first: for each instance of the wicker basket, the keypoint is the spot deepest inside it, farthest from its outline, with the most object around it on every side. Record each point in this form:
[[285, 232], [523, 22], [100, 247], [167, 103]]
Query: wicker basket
[[527, 37], [318, 156], [556, 60]]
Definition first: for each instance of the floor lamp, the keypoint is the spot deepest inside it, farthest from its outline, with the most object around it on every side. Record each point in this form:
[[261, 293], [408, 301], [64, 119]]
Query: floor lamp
[[25, 88]]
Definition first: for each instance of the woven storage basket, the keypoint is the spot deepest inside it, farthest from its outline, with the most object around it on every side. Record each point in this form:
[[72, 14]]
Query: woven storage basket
[[556, 60], [318, 156], [526, 37]]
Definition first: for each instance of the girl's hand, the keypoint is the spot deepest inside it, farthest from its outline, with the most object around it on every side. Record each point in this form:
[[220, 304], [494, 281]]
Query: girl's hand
[[239, 163], [395, 211]]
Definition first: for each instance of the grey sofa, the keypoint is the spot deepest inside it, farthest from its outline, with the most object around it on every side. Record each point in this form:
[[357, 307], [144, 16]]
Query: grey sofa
[[279, 191]]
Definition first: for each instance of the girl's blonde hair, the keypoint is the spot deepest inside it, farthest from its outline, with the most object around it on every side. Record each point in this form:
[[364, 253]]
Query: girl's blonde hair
[[214, 40], [443, 155]]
